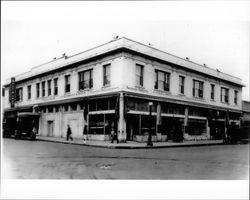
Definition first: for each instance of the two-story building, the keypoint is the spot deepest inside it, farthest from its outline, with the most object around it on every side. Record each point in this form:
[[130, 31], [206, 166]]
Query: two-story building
[[111, 86]]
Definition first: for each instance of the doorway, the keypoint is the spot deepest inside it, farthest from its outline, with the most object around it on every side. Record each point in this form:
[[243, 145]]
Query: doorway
[[50, 128]]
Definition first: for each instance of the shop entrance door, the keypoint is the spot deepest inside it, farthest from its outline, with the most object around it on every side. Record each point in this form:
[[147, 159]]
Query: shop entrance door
[[50, 128], [132, 126]]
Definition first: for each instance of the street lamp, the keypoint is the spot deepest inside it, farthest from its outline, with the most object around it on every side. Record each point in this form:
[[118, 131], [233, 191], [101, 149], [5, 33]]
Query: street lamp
[[150, 143]]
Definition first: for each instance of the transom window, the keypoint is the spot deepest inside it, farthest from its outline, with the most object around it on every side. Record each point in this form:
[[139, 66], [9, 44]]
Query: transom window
[[139, 75], [181, 84], [67, 83], [162, 80], [106, 74], [224, 95], [85, 79], [197, 89]]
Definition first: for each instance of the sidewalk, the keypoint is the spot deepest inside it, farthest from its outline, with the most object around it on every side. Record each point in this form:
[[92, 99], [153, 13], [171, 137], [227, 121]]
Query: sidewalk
[[129, 144]]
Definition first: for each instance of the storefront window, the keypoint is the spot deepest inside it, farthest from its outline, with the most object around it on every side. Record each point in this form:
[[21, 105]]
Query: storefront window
[[96, 124], [102, 124], [146, 122], [196, 127]]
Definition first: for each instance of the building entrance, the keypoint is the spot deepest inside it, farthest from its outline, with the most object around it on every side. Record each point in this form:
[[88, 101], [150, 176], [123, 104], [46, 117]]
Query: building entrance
[[50, 128], [132, 126]]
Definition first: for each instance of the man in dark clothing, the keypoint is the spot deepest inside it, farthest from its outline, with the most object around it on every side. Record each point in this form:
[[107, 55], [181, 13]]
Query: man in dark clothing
[[69, 133], [114, 136]]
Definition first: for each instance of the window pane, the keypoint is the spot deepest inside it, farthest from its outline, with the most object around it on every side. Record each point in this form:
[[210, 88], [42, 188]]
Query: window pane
[[138, 70], [160, 85], [161, 76]]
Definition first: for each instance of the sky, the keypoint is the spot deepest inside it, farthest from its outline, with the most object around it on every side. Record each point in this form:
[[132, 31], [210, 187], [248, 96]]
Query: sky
[[214, 33]]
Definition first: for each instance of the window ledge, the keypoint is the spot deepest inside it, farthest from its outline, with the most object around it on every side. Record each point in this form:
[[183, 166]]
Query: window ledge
[[84, 90], [162, 91], [199, 98], [105, 86]]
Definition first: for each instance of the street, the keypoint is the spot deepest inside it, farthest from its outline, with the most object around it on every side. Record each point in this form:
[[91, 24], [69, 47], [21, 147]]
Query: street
[[23, 159]]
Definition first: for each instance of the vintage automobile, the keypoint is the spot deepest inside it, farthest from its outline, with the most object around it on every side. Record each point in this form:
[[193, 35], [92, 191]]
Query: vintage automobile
[[237, 134], [21, 125], [26, 126]]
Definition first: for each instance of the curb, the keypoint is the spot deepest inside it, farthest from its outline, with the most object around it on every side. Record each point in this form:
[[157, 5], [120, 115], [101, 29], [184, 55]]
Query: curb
[[131, 147]]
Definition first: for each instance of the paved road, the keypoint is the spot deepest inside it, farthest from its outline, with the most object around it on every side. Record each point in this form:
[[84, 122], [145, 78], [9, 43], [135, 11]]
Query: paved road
[[45, 160]]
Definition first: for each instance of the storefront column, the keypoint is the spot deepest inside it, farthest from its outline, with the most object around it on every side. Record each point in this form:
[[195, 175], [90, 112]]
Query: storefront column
[[185, 135], [60, 120], [208, 130], [121, 123], [158, 118]]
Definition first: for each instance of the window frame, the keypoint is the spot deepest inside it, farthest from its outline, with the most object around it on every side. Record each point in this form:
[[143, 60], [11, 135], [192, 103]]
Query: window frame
[[140, 76], [81, 80], [199, 91], [212, 91], [55, 80], [106, 77], [224, 98], [236, 97], [37, 90], [67, 83], [166, 81], [29, 92], [181, 84], [49, 87], [19, 97], [43, 89]]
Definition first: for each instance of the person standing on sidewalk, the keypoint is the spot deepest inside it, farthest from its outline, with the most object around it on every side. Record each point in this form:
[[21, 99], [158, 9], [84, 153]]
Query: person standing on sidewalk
[[85, 131], [114, 136], [69, 134]]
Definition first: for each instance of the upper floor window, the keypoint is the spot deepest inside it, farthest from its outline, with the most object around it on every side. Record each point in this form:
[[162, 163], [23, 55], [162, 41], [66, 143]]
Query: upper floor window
[[19, 94], [29, 91], [38, 90], [139, 75], [106, 74], [43, 88], [197, 88], [224, 95], [212, 92], [181, 84], [85, 79], [55, 86], [162, 80], [49, 87], [67, 83], [235, 97]]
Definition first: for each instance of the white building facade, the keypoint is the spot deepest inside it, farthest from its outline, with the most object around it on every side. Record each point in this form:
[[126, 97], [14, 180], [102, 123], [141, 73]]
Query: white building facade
[[110, 86]]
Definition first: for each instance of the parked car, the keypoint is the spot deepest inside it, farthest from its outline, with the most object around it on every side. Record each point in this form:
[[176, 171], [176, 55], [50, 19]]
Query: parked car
[[238, 134], [6, 131]]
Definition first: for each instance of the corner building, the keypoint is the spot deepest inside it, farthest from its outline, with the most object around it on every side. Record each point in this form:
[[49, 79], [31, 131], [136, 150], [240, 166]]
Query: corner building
[[110, 86]]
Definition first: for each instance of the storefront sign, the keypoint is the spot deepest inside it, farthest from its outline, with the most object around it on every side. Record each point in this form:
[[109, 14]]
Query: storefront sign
[[12, 95]]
